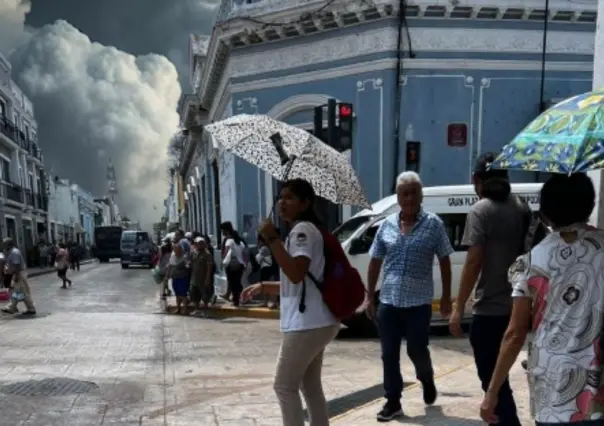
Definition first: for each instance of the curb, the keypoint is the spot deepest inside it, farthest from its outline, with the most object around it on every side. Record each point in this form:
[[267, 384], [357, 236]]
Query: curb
[[244, 312], [230, 311], [52, 270]]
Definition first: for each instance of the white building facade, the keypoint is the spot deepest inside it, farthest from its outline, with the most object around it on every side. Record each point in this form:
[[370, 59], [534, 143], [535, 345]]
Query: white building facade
[[23, 196], [103, 212], [63, 211]]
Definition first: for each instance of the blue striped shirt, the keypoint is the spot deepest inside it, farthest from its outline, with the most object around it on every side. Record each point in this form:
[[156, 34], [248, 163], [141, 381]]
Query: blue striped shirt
[[408, 259]]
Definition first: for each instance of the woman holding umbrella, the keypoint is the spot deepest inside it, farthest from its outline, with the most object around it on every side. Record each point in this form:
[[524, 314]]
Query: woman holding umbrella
[[305, 335]]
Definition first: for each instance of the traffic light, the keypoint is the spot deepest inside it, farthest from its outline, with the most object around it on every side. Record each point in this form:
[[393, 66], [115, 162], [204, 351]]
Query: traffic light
[[345, 112], [318, 123], [412, 156]]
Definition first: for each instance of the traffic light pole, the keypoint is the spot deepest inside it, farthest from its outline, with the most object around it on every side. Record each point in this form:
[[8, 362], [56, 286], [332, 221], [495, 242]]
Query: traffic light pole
[[318, 122], [332, 131]]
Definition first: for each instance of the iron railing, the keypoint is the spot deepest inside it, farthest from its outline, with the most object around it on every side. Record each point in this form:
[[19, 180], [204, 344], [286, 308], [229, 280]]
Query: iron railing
[[13, 192], [11, 131]]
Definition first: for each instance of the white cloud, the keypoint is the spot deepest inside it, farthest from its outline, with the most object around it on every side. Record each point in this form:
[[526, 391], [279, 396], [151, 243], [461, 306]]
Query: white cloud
[[12, 24], [95, 102]]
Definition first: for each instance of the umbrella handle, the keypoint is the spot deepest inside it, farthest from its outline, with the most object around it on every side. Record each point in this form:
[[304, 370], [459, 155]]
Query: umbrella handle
[[288, 169]]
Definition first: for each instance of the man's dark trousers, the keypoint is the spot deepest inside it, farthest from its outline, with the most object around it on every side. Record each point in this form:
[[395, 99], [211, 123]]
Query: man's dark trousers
[[486, 333], [414, 325]]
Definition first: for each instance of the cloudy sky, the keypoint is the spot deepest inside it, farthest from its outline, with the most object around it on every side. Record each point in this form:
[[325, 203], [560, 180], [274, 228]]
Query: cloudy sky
[[105, 78]]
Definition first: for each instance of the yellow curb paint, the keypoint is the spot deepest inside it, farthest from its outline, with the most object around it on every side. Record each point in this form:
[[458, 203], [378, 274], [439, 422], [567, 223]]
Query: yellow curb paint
[[413, 386], [241, 312], [260, 313]]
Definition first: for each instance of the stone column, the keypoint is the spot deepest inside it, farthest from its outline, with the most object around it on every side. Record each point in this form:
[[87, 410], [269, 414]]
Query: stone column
[[597, 218]]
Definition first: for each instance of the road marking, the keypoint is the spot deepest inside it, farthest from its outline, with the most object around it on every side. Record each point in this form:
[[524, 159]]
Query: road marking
[[412, 386]]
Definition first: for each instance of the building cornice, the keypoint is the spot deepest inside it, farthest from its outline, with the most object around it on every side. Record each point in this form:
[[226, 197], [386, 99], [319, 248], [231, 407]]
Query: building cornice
[[276, 8], [244, 28]]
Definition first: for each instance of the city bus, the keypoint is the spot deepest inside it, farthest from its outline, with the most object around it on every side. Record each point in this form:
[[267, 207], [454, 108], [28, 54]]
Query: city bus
[[107, 242]]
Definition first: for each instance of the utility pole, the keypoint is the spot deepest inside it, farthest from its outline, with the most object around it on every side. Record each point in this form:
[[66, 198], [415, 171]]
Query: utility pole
[[597, 217], [332, 130]]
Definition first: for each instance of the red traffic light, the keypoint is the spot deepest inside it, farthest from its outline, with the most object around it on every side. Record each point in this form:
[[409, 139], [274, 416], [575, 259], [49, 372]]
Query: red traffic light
[[345, 110]]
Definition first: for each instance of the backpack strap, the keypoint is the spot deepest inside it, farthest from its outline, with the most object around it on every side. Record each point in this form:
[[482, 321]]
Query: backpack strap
[[302, 304]]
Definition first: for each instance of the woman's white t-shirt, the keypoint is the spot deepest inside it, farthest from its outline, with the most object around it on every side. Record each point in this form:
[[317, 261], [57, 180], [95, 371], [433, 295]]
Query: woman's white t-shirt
[[236, 249], [305, 240]]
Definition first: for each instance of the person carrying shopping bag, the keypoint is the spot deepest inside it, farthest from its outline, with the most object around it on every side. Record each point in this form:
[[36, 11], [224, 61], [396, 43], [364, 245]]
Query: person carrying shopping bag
[[15, 266]]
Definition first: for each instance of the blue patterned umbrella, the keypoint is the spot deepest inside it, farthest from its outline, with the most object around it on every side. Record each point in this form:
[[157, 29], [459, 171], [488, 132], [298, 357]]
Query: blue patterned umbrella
[[567, 138]]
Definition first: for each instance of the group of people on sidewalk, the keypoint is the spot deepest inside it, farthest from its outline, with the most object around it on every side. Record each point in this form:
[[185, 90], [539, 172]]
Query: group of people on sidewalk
[[529, 275], [541, 275], [186, 260]]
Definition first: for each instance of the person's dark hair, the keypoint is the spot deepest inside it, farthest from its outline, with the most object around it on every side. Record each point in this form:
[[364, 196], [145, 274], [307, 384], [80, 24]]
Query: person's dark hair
[[208, 243], [227, 227], [261, 239], [166, 248], [495, 182], [304, 191], [237, 238], [566, 200]]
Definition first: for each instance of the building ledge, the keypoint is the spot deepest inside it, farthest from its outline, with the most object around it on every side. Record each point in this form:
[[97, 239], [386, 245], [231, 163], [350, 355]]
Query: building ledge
[[266, 21]]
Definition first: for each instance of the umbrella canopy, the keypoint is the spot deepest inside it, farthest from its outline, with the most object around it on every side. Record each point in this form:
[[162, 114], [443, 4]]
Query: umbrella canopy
[[567, 138], [288, 152]]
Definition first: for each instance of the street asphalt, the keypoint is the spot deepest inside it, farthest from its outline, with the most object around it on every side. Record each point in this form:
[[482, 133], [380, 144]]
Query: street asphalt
[[103, 353]]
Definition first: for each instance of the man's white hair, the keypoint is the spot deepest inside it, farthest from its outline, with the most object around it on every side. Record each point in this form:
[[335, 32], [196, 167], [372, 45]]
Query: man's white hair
[[408, 177]]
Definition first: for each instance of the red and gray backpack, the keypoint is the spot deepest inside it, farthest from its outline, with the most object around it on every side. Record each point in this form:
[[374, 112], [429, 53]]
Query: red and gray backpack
[[342, 288]]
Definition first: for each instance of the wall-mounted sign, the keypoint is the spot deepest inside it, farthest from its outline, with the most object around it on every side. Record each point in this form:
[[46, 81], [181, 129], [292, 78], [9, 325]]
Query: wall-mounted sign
[[457, 135]]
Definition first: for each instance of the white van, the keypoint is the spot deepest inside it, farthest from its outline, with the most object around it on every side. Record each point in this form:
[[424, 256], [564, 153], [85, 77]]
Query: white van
[[451, 203]]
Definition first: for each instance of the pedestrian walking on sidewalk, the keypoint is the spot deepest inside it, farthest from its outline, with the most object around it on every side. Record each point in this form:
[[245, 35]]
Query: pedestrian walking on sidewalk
[[165, 252], [202, 283], [210, 249], [269, 270], [75, 253], [234, 261], [406, 244], [306, 332], [62, 264], [15, 267], [179, 272], [494, 234], [558, 292], [6, 277]]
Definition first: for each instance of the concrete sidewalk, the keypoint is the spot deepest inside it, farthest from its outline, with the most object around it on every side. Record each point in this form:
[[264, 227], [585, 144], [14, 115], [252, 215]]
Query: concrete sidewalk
[[36, 272], [458, 401]]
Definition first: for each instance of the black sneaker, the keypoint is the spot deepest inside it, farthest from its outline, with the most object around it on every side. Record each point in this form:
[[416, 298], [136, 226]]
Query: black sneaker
[[390, 411], [430, 392]]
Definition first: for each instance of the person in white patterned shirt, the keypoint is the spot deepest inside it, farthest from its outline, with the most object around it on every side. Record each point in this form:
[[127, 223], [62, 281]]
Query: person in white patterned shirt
[[558, 291]]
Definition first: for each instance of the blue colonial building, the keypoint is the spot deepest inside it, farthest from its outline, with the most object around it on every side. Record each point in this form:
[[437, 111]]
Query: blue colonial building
[[459, 78]]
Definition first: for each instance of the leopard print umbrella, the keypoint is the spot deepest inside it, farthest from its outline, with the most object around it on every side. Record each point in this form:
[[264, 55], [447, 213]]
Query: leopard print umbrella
[[303, 155]]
